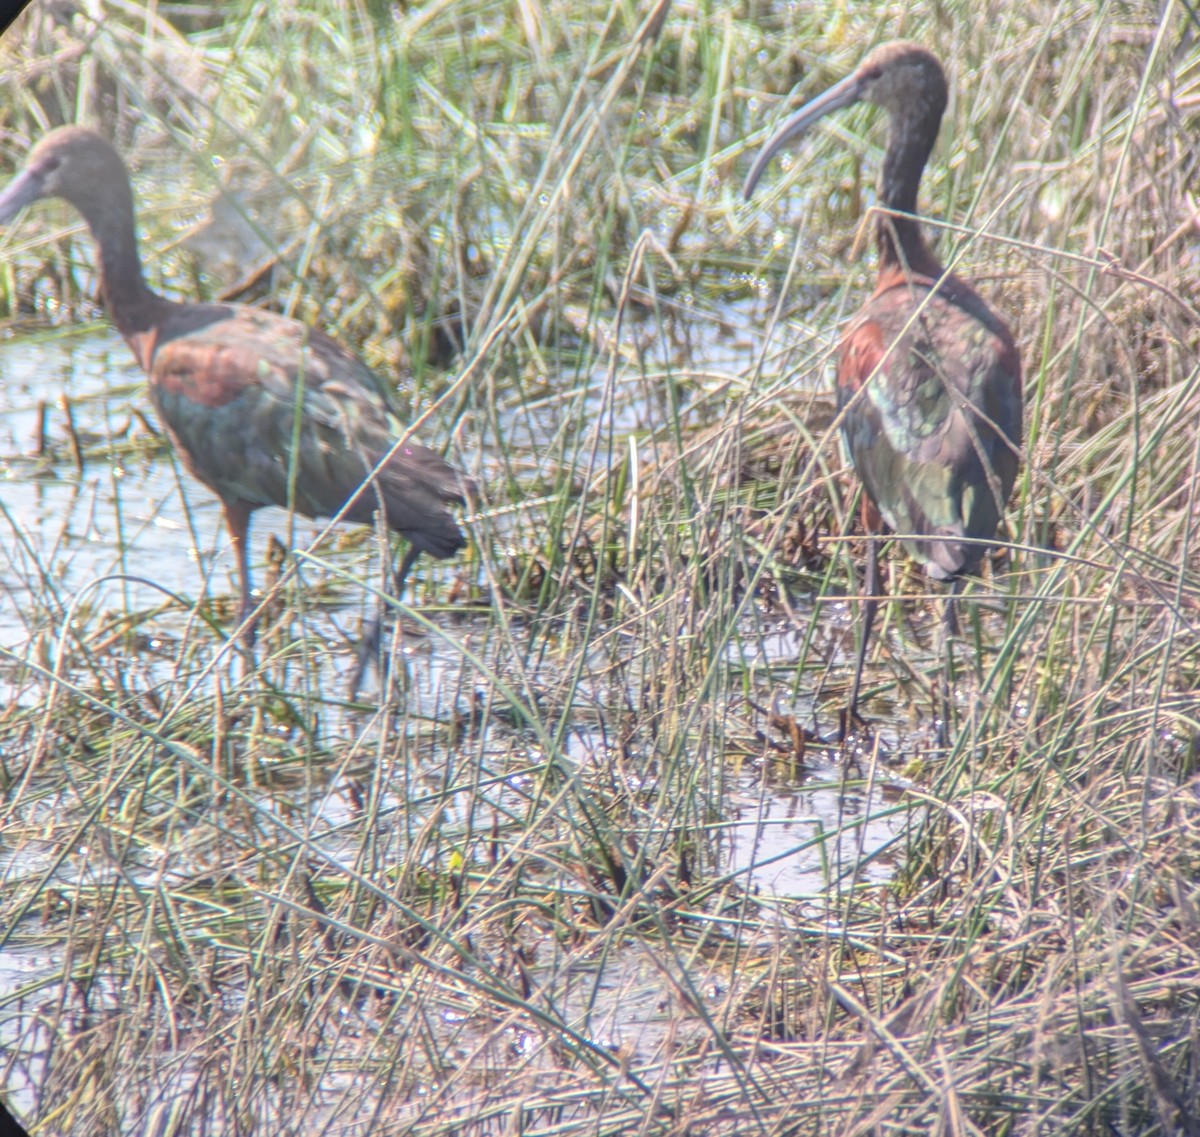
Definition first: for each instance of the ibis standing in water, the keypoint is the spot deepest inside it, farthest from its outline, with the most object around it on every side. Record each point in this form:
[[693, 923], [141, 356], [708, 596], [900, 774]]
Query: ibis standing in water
[[929, 378], [261, 408]]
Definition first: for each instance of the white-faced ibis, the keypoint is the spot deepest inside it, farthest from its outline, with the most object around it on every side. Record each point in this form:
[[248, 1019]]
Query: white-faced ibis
[[929, 378], [261, 408]]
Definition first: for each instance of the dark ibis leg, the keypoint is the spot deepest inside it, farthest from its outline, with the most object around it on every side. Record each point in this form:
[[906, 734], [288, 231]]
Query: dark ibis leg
[[368, 648], [870, 605], [237, 520], [950, 616], [873, 523], [946, 685]]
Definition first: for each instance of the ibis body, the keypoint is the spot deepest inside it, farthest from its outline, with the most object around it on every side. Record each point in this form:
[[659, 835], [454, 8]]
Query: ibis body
[[262, 409], [929, 377]]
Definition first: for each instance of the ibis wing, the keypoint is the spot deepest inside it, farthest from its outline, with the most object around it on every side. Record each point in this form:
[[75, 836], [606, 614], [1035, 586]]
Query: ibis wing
[[269, 412], [931, 393]]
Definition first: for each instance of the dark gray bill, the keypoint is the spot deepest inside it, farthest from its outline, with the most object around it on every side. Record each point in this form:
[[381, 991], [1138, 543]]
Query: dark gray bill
[[839, 95], [23, 190]]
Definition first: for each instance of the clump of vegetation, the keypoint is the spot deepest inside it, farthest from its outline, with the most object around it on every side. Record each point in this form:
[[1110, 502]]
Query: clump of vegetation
[[533, 890]]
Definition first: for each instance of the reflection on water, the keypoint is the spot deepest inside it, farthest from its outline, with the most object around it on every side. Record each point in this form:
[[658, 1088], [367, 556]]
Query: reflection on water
[[792, 840]]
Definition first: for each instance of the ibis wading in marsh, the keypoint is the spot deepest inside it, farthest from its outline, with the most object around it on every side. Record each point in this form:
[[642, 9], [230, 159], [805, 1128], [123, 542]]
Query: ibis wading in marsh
[[261, 408], [929, 378]]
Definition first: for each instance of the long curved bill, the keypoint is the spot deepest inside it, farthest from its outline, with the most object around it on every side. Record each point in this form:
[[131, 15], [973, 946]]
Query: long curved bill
[[840, 95], [23, 190]]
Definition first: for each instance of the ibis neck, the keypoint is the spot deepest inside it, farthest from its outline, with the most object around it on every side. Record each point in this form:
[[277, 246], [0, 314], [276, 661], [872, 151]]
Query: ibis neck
[[132, 305], [900, 240]]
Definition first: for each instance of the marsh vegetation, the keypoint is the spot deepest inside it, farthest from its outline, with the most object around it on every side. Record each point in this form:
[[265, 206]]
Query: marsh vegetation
[[588, 860]]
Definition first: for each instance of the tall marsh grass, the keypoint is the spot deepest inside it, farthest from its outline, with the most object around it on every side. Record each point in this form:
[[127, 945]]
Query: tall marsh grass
[[504, 901]]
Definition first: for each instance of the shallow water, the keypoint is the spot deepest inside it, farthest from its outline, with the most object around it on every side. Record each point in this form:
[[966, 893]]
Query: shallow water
[[795, 836]]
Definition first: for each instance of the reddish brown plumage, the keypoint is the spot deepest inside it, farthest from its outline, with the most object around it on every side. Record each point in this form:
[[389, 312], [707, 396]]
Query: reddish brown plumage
[[929, 377], [261, 408]]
